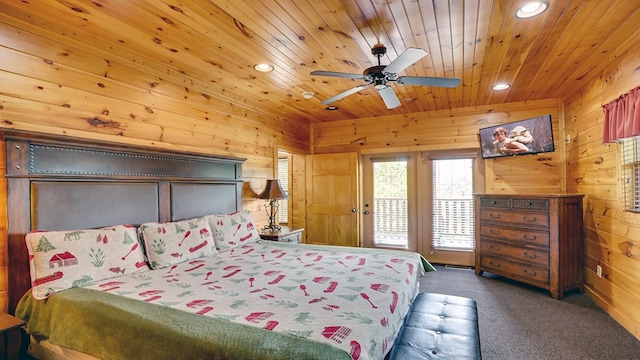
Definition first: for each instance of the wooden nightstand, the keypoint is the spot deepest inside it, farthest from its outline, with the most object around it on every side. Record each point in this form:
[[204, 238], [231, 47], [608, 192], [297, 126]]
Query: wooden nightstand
[[285, 234], [8, 323]]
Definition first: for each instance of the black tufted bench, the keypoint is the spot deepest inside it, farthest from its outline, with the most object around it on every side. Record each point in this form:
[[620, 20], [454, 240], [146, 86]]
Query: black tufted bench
[[439, 327]]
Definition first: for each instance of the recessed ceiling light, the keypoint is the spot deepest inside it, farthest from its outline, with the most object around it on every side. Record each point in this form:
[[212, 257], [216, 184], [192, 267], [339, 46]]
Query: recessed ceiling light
[[531, 9], [502, 86], [263, 67], [332, 107], [307, 94]]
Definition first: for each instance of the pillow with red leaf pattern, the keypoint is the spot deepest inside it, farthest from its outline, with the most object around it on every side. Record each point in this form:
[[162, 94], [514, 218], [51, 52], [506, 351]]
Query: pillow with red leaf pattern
[[171, 243], [233, 230]]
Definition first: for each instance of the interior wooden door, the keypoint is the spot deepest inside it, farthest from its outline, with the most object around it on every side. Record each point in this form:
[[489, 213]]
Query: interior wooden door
[[332, 199]]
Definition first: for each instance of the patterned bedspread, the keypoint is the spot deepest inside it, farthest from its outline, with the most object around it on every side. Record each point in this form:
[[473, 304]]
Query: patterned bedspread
[[351, 298]]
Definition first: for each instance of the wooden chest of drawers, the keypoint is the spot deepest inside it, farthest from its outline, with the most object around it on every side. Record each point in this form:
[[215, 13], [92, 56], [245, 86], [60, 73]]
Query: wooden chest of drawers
[[535, 239]]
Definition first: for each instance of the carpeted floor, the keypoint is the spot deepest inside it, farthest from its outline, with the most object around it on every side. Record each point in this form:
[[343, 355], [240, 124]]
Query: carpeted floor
[[520, 322]]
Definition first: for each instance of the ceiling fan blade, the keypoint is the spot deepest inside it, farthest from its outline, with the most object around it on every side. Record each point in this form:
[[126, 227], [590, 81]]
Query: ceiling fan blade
[[344, 94], [336, 74], [389, 97], [406, 59], [429, 81]]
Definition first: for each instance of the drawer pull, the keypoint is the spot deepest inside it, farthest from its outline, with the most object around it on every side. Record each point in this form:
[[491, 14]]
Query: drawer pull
[[494, 216], [532, 219], [494, 232], [494, 264], [496, 248], [532, 237], [532, 274], [532, 256]]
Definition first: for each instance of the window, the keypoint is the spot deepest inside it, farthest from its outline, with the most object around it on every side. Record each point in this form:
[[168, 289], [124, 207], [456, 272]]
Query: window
[[630, 156], [283, 176]]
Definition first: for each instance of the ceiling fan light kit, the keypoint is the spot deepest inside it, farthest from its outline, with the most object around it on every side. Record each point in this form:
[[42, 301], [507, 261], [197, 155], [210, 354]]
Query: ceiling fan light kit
[[380, 75]]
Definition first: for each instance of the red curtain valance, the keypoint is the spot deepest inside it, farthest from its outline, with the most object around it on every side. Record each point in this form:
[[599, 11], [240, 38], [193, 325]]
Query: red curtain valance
[[622, 117]]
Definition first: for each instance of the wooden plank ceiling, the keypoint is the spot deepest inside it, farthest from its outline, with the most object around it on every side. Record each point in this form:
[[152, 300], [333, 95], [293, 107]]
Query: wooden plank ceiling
[[210, 47]]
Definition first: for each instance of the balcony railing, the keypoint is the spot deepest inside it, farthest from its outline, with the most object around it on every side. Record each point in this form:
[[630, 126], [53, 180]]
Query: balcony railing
[[390, 222], [452, 224]]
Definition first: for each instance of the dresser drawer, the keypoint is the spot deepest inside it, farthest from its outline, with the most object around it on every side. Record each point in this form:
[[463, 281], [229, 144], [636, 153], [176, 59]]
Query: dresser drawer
[[495, 202], [524, 272], [519, 236], [535, 204], [516, 218], [531, 256]]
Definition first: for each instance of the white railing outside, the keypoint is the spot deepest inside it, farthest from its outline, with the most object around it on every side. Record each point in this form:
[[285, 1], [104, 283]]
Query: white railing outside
[[452, 226]]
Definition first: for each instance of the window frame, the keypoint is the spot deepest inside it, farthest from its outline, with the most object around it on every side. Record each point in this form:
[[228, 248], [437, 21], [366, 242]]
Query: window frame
[[629, 152], [284, 175]]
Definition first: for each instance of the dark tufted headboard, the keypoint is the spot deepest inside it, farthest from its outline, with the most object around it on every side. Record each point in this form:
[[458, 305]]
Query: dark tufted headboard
[[57, 183]]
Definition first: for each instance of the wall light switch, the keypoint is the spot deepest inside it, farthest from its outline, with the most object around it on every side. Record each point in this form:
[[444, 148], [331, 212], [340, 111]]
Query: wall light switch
[[599, 271]]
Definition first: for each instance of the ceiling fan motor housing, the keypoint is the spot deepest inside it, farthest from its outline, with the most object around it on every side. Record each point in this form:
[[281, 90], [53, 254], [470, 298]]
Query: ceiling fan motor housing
[[375, 75], [374, 71]]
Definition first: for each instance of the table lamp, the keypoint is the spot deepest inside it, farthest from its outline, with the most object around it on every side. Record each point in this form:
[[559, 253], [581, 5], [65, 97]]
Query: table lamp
[[272, 193]]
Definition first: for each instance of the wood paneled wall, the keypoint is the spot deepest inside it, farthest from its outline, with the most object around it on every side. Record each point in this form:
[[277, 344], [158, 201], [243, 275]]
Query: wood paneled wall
[[4, 244], [455, 129], [50, 85], [612, 235]]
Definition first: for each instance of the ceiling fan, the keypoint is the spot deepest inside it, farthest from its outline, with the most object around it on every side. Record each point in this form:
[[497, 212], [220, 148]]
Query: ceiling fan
[[380, 75]]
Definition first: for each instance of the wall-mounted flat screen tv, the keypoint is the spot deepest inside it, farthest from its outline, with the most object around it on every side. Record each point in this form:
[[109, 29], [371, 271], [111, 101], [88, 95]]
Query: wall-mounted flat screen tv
[[528, 136]]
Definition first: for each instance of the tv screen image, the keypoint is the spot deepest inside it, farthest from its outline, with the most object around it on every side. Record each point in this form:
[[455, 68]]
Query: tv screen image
[[528, 136]]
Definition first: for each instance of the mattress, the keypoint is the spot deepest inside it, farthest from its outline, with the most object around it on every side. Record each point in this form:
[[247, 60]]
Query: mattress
[[264, 300]]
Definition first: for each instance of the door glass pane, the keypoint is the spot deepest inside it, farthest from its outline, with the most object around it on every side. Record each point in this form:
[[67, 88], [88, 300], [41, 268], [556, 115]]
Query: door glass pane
[[390, 218], [453, 225], [283, 176]]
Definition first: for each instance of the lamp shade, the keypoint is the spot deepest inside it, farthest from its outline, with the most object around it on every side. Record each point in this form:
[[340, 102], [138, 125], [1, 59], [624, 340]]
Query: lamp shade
[[273, 190]]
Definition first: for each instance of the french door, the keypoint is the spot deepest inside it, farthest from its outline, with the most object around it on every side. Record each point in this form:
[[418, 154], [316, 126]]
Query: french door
[[389, 201], [421, 202]]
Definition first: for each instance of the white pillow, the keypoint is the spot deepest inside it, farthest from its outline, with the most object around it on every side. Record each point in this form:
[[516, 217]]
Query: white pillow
[[60, 260], [171, 243], [233, 230]]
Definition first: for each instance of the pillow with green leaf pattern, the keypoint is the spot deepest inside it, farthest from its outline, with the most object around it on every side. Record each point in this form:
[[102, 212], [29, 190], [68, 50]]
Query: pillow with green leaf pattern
[[60, 260]]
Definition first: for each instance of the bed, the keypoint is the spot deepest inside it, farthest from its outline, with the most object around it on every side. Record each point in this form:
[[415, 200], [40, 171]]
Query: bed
[[183, 273]]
